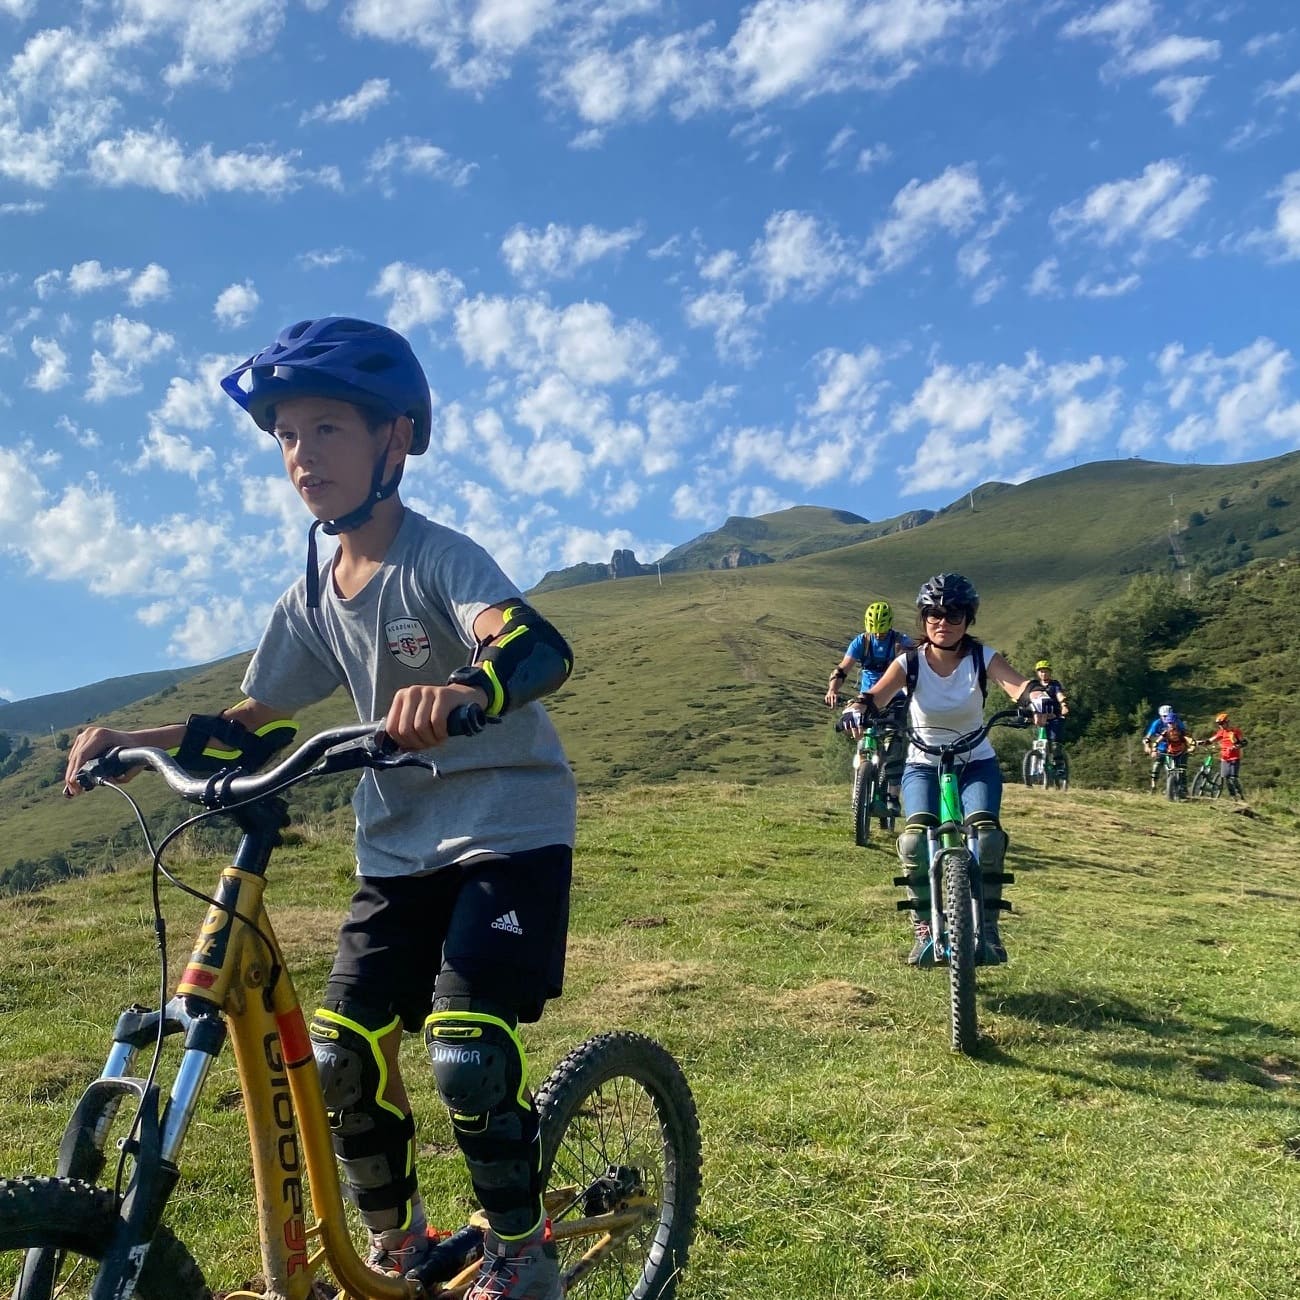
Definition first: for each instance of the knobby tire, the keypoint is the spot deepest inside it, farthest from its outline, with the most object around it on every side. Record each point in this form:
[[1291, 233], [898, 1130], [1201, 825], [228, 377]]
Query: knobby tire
[[75, 1221], [961, 950], [864, 795], [617, 1100], [1027, 766]]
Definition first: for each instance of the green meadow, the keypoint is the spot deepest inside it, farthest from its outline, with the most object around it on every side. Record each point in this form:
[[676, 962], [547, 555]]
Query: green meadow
[[1131, 1126]]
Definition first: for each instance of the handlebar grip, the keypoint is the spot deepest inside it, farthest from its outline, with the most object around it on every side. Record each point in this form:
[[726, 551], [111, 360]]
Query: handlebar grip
[[466, 720]]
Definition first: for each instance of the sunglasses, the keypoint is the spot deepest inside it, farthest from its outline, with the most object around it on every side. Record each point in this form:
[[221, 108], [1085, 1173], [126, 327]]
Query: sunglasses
[[945, 615]]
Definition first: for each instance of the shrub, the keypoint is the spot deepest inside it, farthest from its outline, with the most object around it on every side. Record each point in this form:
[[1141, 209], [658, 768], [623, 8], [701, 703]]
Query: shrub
[[1195, 519]]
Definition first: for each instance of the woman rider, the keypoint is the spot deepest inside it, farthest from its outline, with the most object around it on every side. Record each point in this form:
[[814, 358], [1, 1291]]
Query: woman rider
[[948, 701]]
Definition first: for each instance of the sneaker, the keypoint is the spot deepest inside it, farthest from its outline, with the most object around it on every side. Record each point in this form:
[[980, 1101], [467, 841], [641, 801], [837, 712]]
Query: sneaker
[[518, 1270], [922, 953], [396, 1254]]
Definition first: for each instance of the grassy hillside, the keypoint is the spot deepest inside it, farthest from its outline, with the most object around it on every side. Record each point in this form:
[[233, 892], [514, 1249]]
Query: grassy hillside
[[1131, 1129], [783, 535], [721, 673], [47, 713]]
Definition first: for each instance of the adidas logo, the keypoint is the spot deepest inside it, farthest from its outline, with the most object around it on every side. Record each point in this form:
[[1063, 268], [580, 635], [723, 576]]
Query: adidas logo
[[509, 923]]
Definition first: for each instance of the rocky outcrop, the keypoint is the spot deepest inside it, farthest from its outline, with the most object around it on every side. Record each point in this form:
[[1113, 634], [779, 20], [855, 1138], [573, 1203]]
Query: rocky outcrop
[[623, 564], [739, 557]]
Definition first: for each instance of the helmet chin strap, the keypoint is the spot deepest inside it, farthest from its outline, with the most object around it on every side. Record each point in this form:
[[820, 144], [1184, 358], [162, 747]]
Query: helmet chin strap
[[379, 491]]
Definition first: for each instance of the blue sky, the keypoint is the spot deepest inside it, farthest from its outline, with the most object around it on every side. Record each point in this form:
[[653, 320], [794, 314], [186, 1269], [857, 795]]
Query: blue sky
[[663, 263]]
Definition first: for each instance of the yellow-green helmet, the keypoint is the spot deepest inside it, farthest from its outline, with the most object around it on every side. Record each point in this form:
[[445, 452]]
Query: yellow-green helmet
[[878, 618], [1043, 663]]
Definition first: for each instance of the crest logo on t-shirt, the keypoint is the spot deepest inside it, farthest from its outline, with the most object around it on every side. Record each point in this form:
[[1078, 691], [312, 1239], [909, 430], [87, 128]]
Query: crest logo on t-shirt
[[408, 641]]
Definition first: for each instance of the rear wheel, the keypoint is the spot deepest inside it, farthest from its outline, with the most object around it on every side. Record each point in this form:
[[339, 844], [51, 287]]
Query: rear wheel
[[864, 795], [65, 1227], [620, 1133], [1200, 784], [961, 950]]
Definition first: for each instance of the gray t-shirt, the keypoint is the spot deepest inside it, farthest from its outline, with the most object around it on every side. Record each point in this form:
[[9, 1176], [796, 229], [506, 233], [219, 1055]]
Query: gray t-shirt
[[507, 789]]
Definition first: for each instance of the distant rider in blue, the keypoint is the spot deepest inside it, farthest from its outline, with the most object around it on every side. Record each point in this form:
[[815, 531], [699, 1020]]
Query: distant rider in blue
[[1167, 734], [873, 650]]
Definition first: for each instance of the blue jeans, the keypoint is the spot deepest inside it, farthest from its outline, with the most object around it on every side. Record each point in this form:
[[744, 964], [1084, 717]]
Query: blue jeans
[[980, 783]]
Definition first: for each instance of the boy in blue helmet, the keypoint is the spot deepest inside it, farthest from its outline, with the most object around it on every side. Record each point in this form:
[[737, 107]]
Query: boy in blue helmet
[[459, 919]]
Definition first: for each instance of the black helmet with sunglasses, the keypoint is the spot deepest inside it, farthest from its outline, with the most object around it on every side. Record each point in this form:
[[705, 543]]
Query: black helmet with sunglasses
[[949, 591]]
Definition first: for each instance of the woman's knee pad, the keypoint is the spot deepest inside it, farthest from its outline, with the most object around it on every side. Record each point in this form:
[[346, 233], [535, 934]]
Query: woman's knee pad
[[993, 840], [912, 840]]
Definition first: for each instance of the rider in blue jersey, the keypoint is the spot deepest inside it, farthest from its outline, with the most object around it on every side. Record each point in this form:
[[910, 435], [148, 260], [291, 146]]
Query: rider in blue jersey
[[1167, 734], [873, 650]]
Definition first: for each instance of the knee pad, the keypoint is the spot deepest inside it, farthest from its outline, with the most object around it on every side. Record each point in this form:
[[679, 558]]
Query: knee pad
[[912, 841], [480, 1071], [993, 840], [478, 1061], [373, 1139]]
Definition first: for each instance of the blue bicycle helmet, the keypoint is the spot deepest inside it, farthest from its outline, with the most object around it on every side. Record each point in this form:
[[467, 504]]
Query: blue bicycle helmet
[[336, 356]]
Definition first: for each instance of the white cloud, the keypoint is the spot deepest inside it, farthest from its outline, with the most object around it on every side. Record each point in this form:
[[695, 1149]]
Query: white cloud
[[58, 62], [951, 202], [800, 255], [157, 161], [1152, 207], [236, 304], [1087, 287], [1181, 95], [86, 277], [1242, 400], [153, 284], [582, 341], [131, 341], [53, 370], [211, 35], [175, 453], [472, 48], [731, 318], [873, 154], [216, 626], [838, 146], [985, 420], [560, 251], [607, 87], [351, 108], [414, 157], [1119, 21], [1172, 52], [322, 259], [1285, 235], [418, 297], [849, 381], [1080, 424], [804, 47], [130, 345], [1282, 89], [21, 495], [1045, 282]]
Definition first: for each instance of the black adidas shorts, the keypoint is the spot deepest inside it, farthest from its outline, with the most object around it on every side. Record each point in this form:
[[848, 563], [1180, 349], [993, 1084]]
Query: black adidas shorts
[[494, 928]]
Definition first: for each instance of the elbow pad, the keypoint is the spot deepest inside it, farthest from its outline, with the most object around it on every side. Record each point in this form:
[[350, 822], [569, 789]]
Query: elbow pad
[[214, 743], [527, 659]]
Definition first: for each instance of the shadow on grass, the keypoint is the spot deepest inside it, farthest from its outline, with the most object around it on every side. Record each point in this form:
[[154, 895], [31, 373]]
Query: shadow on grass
[[1181, 1044]]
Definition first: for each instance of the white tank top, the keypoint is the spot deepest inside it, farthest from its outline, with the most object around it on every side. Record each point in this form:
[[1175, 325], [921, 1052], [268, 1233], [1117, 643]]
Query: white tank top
[[945, 707]]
